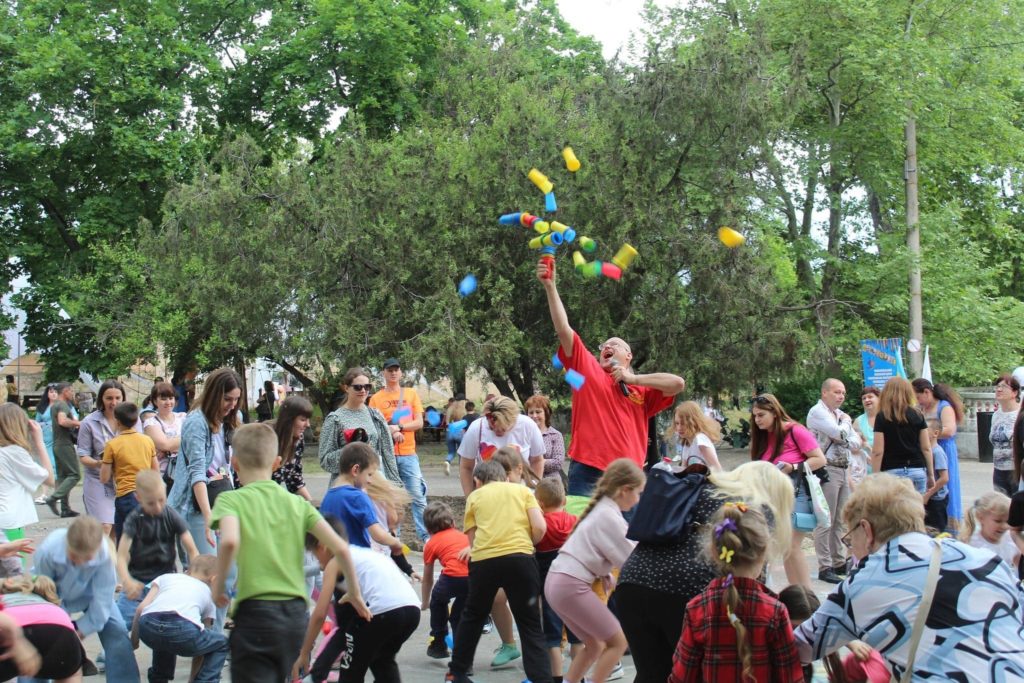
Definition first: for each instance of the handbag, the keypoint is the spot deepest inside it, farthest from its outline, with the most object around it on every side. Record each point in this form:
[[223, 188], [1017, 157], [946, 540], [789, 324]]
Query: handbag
[[818, 501], [923, 609], [664, 514]]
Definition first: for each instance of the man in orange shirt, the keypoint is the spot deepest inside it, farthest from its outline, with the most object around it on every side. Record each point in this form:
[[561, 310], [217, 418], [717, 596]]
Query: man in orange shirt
[[403, 410]]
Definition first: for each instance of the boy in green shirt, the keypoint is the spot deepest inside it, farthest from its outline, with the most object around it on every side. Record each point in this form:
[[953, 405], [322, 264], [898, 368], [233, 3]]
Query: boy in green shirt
[[264, 527]]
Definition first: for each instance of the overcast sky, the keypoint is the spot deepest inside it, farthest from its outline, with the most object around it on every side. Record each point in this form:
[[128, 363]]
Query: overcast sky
[[610, 21]]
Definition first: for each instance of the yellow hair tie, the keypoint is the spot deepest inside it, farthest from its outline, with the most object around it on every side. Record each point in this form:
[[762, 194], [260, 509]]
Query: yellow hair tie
[[742, 507], [726, 555]]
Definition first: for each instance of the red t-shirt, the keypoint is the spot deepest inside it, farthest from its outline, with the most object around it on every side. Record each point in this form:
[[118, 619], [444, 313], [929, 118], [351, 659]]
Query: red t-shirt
[[446, 546], [605, 424], [560, 524]]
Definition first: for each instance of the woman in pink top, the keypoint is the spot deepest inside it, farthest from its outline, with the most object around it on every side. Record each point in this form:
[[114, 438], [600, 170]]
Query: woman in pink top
[[787, 444]]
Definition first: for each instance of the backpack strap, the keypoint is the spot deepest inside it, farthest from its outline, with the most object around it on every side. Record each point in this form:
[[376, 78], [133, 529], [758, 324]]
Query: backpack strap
[[923, 608]]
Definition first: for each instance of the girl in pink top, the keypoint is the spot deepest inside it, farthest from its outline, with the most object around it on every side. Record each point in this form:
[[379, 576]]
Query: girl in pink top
[[787, 444], [598, 545], [34, 606]]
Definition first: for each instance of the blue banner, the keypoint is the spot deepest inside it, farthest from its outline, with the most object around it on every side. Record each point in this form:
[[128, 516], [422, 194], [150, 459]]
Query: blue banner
[[882, 359]]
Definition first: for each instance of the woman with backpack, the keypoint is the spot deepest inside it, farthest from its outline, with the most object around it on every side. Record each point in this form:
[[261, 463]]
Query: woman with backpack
[[777, 438], [662, 575]]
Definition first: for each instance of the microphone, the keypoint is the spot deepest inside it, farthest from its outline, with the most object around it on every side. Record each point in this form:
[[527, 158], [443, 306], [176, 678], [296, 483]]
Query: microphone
[[622, 385]]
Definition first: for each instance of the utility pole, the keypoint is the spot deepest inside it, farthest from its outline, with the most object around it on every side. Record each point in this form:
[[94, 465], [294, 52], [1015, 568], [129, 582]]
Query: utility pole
[[913, 243]]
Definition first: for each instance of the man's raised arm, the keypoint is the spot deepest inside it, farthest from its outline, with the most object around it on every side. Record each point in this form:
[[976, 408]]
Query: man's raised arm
[[558, 316]]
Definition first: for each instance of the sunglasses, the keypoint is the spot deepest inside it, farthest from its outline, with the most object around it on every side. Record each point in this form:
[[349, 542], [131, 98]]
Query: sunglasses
[[361, 387], [760, 401]]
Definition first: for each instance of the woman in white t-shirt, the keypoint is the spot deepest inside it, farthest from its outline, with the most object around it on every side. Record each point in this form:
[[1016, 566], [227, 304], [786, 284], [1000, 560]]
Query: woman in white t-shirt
[[695, 435], [164, 425], [501, 425]]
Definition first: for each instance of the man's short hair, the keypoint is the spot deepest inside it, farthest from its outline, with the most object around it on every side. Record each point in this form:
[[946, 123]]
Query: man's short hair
[[127, 414], [488, 471], [826, 385], [356, 453], [255, 446], [550, 493], [470, 406]]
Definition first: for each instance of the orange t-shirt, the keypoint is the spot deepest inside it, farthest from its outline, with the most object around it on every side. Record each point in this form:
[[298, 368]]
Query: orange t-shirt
[[446, 546], [386, 401], [129, 453]]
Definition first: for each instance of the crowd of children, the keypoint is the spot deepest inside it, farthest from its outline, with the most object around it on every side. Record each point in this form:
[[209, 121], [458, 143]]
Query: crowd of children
[[518, 551]]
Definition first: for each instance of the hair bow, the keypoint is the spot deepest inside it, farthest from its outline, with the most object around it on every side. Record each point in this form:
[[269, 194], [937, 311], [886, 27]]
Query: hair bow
[[723, 526], [727, 583], [726, 555]]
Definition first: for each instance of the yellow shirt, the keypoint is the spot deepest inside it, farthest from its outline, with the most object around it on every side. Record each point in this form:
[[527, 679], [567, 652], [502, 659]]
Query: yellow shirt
[[386, 401], [129, 453], [498, 513]]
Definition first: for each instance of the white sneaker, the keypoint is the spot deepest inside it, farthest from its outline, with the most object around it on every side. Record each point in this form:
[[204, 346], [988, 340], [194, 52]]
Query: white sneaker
[[488, 627], [447, 469], [616, 673]]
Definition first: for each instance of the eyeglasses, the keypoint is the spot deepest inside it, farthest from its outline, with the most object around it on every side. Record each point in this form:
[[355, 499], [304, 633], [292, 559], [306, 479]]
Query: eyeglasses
[[845, 540], [1002, 385], [361, 387], [491, 417]]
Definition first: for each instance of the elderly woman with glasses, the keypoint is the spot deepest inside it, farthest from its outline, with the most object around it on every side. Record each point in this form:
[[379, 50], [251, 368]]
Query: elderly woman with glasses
[[973, 628], [777, 438], [1001, 433], [353, 414]]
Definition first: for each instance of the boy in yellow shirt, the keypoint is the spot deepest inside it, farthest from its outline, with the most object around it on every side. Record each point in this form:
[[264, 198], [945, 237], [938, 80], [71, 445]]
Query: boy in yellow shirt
[[125, 456], [503, 522]]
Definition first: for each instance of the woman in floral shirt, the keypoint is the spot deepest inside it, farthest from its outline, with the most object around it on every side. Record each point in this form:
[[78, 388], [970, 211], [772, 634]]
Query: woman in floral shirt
[[291, 424]]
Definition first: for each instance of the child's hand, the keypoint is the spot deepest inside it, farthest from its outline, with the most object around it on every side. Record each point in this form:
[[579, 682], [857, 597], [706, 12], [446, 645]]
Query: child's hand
[[300, 667], [861, 650], [358, 605], [133, 589], [220, 598], [22, 545], [464, 554], [25, 657]]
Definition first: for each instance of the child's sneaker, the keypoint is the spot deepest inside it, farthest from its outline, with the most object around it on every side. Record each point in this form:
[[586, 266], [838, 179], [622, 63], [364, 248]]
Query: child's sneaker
[[457, 678], [505, 654], [488, 627], [437, 649], [616, 673]]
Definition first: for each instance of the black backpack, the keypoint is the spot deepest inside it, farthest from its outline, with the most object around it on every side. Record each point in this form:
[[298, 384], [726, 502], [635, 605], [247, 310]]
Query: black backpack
[[664, 514]]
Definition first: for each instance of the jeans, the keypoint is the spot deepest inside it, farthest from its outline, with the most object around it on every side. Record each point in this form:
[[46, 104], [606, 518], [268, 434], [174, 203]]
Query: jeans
[[1002, 480], [170, 636], [126, 606], [446, 589], [582, 479], [197, 527], [519, 576], [412, 478], [120, 657], [453, 447], [366, 645], [917, 475], [123, 506], [266, 639], [827, 546]]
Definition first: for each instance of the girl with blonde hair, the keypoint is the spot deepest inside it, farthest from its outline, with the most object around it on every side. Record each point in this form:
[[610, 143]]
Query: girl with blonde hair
[[20, 472], [33, 604], [695, 435], [597, 546], [985, 526]]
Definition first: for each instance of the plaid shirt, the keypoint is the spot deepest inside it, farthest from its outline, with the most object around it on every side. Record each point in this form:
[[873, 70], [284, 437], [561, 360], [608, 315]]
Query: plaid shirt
[[707, 646]]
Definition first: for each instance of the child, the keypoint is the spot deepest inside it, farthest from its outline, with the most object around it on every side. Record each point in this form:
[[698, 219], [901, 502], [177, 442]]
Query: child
[[597, 545], [551, 497], [349, 502], [389, 501], [502, 522], [695, 434], [362, 643], [447, 544], [734, 612], [20, 473], [985, 526], [80, 560], [862, 665], [264, 526], [124, 456], [148, 545], [936, 498], [174, 621], [34, 606], [515, 468]]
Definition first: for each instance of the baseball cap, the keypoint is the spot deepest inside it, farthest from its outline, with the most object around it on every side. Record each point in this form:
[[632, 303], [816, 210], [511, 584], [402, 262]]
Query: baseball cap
[[391, 362]]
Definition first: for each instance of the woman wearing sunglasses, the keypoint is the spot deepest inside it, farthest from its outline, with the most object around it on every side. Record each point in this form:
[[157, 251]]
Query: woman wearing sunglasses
[[353, 413], [777, 438]]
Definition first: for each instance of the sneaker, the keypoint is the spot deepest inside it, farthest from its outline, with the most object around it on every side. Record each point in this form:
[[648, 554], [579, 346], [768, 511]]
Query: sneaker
[[457, 678], [437, 649], [616, 673], [829, 576], [447, 468], [52, 504], [41, 500], [488, 627], [505, 654], [101, 661]]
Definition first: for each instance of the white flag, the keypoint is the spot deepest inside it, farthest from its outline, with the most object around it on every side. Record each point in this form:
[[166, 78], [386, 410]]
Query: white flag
[[926, 369]]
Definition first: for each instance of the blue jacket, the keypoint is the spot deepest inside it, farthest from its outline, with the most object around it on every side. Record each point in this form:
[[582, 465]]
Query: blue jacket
[[86, 588], [195, 456]]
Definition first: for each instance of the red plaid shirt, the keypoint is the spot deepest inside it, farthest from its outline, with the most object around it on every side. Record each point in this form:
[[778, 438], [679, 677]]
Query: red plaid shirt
[[707, 647]]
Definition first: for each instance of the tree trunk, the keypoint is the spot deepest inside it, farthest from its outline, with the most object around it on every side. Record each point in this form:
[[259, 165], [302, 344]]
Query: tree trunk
[[318, 396], [914, 245]]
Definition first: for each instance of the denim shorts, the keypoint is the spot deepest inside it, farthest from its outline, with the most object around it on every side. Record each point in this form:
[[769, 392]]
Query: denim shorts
[[917, 475]]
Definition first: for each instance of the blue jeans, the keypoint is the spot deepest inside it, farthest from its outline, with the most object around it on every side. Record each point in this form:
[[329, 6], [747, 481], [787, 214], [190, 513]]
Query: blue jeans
[[582, 479], [120, 657], [409, 471], [447, 589], [126, 606], [917, 475], [123, 506], [453, 447], [197, 527], [170, 636]]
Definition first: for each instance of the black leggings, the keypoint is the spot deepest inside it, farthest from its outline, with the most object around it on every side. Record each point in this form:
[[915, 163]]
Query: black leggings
[[366, 645], [652, 622], [59, 647]]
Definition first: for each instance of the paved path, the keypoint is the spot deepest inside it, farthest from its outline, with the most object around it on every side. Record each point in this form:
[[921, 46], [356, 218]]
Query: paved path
[[415, 665]]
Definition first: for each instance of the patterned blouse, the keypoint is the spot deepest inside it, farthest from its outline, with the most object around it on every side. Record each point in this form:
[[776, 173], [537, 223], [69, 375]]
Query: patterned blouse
[[554, 451], [973, 632], [290, 474]]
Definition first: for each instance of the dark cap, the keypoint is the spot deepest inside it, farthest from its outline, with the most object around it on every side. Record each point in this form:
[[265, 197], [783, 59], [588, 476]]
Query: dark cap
[[391, 362]]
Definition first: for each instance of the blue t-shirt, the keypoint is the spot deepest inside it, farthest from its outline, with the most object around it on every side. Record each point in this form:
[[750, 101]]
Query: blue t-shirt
[[939, 462], [355, 509]]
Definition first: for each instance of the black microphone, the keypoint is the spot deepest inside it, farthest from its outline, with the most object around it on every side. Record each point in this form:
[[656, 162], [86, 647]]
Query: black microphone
[[622, 385]]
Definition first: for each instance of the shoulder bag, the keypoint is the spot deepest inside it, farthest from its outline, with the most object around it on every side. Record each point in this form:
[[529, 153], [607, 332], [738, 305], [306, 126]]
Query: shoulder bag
[[923, 608]]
